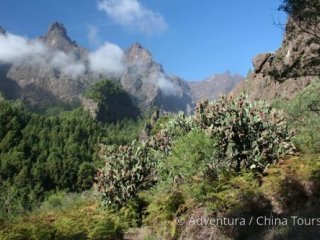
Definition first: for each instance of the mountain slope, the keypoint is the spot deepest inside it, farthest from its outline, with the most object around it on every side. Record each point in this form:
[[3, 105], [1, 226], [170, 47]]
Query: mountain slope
[[213, 86], [150, 85]]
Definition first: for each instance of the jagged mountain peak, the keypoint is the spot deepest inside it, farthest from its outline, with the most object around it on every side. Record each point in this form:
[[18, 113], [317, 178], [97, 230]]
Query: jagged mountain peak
[[136, 45], [2, 31], [57, 28], [137, 52], [57, 38]]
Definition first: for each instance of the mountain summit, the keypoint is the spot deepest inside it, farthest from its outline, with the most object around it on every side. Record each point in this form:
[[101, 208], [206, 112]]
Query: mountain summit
[[146, 80], [136, 53], [57, 38]]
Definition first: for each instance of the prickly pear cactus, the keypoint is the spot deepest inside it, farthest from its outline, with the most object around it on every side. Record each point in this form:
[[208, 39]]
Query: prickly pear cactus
[[127, 170], [250, 134]]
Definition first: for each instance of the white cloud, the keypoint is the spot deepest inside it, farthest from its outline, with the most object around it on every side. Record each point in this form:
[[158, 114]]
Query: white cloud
[[167, 87], [107, 60], [67, 64], [133, 15], [93, 35], [15, 48]]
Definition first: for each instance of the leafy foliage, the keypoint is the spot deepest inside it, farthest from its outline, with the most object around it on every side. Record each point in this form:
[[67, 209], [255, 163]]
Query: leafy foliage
[[190, 159], [225, 135], [124, 132], [302, 114], [40, 154], [163, 209], [128, 169], [66, 216], [174, 127], [250, 134], [114, 103]]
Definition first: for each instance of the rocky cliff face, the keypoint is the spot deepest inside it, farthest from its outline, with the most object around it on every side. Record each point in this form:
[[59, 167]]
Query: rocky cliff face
[[41, 84], [213, 86], [57, 38], [147, 82], [286, 72]]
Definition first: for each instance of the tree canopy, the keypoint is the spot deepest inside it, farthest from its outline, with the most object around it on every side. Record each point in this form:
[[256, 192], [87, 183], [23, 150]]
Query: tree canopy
[[114, 103]]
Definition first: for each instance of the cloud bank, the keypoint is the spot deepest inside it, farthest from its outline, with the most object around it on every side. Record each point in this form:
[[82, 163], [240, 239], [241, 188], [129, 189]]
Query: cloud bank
[[106, 60], [133, 15], [167, 87], [108, 55], [15, 48]]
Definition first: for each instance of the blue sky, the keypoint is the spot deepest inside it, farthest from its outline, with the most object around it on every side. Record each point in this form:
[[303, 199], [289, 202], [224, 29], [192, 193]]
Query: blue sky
[[192, 39]]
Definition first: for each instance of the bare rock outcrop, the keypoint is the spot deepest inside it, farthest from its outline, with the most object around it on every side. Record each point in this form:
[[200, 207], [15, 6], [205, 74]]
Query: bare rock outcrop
[[286, 72], [259, 61], [147, 82], [91, 106], [210, 88]]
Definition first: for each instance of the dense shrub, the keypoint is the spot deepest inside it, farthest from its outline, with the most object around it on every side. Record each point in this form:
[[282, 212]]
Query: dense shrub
[[114, 102], [303, 115], [225, 135], [250, 134], [124, 132], [127, 170], [191, 157], [174, 127], [68, 217], [162, 211]]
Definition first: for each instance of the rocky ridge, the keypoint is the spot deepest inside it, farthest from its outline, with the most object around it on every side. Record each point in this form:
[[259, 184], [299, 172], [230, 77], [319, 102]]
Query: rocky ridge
[[286, 72], [148, 83], [143, 78], [214, 86]]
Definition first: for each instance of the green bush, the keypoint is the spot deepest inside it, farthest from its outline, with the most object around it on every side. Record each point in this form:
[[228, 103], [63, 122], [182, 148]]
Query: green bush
[[127, 170], [303, 118], [191, 157], [107, 229], [176, 126], [250, 134], [114, 102], [162, 211], [62, 201], [11, 203]]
